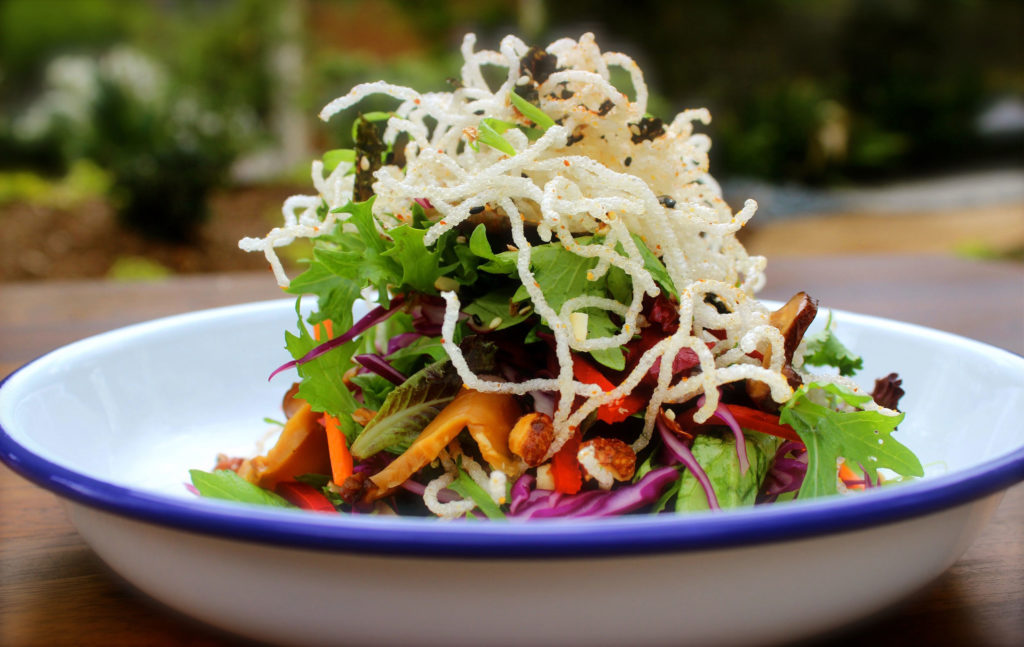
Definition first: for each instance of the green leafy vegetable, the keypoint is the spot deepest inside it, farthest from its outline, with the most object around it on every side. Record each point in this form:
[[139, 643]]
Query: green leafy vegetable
[[322, 385], [334, 157], [372, 116], [531, 112], [489, 132], [466, 487], [825, 349], [495, 306], [420, 267], [654, 265], [408, 409], [717, 455], [861, 437], [228, 486]]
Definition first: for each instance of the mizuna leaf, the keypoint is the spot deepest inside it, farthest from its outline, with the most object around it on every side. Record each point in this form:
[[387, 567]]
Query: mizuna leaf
[[861, 437], [825, 349]]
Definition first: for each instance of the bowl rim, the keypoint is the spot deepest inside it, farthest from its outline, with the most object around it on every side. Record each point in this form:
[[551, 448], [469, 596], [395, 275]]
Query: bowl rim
[[425, 537]]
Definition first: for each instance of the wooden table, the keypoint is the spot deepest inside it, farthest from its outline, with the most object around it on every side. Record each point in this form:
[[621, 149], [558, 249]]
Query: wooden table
[[55, 591]]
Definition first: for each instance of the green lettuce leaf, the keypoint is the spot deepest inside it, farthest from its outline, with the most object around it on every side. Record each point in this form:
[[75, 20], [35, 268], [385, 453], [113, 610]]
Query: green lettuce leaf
[[228, 486], [408, 409], [863, 438], [717, 455]]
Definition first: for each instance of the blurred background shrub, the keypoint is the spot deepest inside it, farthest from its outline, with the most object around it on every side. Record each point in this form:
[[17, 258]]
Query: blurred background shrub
[[174, 98]]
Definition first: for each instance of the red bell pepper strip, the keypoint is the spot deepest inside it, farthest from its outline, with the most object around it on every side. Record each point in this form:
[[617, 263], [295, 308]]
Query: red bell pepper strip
[[766, 423], [612, 412], [749, 418], [565, 467], [305, 496]]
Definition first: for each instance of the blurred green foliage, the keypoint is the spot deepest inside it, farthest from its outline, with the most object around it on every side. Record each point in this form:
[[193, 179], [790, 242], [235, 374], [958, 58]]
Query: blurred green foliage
[[825, 91], [811, 91], [164, 101], [83, 181]]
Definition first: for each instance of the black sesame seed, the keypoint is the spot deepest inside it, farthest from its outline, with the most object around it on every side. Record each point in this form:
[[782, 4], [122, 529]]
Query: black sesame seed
[[667, 201], [628, 161], [475, 210]]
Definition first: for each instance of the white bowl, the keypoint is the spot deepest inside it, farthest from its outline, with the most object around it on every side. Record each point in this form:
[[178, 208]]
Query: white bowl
[[113, 423]]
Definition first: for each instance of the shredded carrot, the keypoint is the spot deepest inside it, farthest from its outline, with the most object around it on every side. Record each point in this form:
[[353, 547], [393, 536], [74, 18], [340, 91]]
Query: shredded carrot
[[852, 480], [341, 457], [565, 467], [328, 327]]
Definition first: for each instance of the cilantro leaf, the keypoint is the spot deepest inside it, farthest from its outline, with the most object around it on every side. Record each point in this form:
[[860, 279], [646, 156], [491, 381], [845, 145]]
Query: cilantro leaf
[[825, 349], [229, 486], [861, 437]]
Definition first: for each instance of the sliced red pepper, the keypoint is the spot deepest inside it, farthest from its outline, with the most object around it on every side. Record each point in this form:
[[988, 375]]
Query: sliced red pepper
[[565, 467], [766, 423], [753, 419], [612, 412], [305, 496]]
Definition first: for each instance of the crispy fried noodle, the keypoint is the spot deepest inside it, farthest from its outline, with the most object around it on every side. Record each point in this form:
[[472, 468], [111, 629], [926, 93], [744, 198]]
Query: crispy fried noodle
[[594, 171]]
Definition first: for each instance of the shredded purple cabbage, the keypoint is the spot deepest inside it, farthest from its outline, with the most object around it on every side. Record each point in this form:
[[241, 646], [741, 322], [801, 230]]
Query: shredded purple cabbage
[[722, 413], [787, 471], [428, 315], [444, 495], [377, 364], [682, 454], [371, 319], [400, 341], [423, 202], [545, 504]]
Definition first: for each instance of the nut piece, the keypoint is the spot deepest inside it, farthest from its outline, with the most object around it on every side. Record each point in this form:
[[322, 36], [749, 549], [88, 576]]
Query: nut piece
[[531, 437], [607, 460]]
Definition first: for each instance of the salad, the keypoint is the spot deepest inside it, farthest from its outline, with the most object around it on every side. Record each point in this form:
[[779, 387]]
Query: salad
[[531, 303]]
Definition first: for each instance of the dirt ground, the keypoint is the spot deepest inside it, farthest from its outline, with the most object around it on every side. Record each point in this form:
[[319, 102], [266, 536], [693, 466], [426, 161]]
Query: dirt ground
[[38, 243]]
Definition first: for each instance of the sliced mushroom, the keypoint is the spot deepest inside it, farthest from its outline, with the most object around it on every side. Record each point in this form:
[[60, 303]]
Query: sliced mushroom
[[792, 320]]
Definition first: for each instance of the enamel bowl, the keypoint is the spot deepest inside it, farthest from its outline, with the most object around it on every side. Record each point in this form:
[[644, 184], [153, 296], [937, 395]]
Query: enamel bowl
[[113, 423]]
